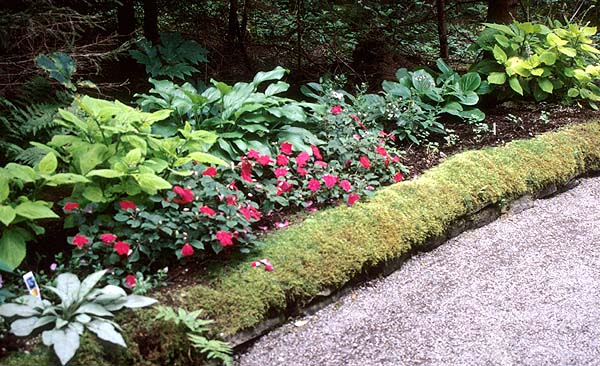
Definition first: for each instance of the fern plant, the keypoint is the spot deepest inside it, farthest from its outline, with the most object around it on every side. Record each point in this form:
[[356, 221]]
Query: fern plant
[[211, 348]]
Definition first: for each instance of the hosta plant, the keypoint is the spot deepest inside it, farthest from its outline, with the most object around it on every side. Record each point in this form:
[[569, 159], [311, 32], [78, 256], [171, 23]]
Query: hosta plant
[[81, 307]]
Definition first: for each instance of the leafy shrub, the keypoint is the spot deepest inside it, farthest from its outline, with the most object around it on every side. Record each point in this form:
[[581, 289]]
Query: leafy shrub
[[242, 117], [535, 60], [173, 57], [81, 307]]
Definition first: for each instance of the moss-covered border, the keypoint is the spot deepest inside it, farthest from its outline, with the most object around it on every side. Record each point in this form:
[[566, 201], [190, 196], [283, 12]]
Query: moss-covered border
[[337, 246]]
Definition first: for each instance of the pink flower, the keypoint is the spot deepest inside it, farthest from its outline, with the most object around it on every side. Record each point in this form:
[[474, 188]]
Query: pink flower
[[336, 109], [301, 171], [280, 172], [253, 154], [255, 264], [126, 205], [286, 148], [130, 281], [356, 137], [314, 185], [352, 198], [207, 211], [281, 225], [316, 152], [264, 160], [254, 212], [302, 158], [381, 151], [355, 117], [269, 267], [396, 159], [185, 195], [330, 180], [232, 187], [246, 171], [282, 187], [346, 185], [209, 172], [398, 177], [320, 163], [282, 160], [108, 238], [80, 240], [231, 200], [225, 238], [187, 250], [121, 247], [70, 206], [364, 161], [246, 212]]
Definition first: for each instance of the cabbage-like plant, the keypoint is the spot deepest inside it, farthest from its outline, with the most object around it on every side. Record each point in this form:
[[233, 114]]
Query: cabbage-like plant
[[82, 307]]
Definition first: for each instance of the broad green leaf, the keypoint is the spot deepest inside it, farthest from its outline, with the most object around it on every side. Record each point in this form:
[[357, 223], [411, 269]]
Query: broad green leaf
[[35, 210], [588, 48], [573, 92], [4, 187], [207, 158], [278, 87], [546, 85], [469, 82], [571, 52], [23, 327], [422, 81], [65, 178], [48, 164], [582, 76], [469, 98], [133, 157], [95, 155], [549, 58], [105, 173], [106, 331], [539, 94], [11, 309], [555, 41], [22, 172], [497, 78], [502, 40], [151, 183], [275, 74], [94, 194], [499, 55], [7, 214], [515, 85], [500, 27], [537, 72]]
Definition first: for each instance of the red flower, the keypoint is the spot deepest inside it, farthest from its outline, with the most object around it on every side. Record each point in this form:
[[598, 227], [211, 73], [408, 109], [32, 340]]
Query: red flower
[[346, 185], [126, 205], [130, 281], [70, 206], [80, 240], [355, 117], [381, 151], [282, 187], [108, 238], [281, 172], [254, 212], [225, 238], [253, 154], [246, 171], [269, 267], [232, 187], [264, 160], [255, 264], [398, 177], [231, 200], [316, 152], [330, 180], [301, 171], [207, 211], [121, 247], [352, 198], [187, 250], [336, 109], [364, 161], [185, 195], [302, 158], [396, 159], [286, 148], [210, 171], [282, 160], [320, 163], [246, 212], [314, 185]]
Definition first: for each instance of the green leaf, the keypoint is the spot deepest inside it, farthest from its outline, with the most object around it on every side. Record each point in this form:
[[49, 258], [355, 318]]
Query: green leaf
[[151, 183], [555, 41], [105, 173], [136, 301], [4, 187], [13, 247], [500, 27], [573, 92], [96, 154], [546, 85], [275, 74], [93, 309], [588, 48], [469, 82], [469, 98], [48, 164], [23, 327], [549, 58], [422, 81], [106, 331], [89, 282], [65, 178], [10, 309], [207, 158], [497, 78], [278, 87], [571, 52], [515, 85], [35, 210], [7, 214], [499, 54], [94, 194], [133, 157]]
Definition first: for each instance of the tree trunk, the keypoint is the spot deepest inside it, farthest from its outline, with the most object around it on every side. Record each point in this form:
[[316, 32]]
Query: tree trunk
[[126, 19], [442, 28], [501, 11], [151, 21], [233, 25]]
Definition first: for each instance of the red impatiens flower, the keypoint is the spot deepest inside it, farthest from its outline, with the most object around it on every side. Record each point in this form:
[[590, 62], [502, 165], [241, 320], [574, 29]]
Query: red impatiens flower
[[381, 151], [246, 213], [121, 247], [281, 172], [108, 238], [187, 250], [316, 152], [185, 195], [246, 171], [130, 281], [80, 240], [282, 160], [314, 185], [264, 160], [231, 200], [253, 154], [396, 159], [302, 158], [398, 177], [345, 185], [225, 238], [250, 213], [286, 148], [282, 187], [211, 171], [364, 161], [320, 163], [330, 180], [127, 205], [232, 187], [70, 206], [207, 211], [255, 264], [301, 171], [352, 198], [336, 109]]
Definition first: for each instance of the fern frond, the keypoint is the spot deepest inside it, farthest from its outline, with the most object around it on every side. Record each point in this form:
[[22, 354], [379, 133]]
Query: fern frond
[[30, 156], [213, 349]]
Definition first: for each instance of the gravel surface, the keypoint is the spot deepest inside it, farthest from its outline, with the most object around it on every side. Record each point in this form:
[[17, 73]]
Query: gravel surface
[[521, 290]]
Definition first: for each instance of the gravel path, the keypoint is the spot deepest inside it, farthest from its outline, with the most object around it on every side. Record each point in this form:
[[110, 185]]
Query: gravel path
[[524, 289]]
